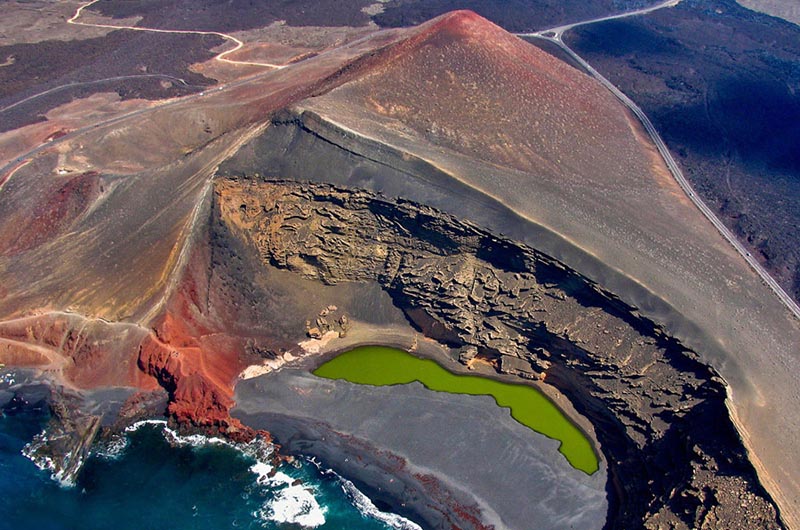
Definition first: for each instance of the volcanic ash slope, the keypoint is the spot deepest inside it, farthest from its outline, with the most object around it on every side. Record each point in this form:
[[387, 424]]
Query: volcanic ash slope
[[157, 273], [462, 116]]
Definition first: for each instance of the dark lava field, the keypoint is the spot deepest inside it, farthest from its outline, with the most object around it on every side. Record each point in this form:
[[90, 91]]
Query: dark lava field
[[722, 85]]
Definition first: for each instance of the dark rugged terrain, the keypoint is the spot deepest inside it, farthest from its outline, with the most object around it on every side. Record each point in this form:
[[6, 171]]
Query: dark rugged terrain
[[722, 85], [513, 15], [213, 15], [42, 66], [674, 455]]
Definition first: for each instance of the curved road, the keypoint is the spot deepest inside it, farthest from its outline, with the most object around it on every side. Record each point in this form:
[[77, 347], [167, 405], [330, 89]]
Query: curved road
[[96, 82], [23, 159], [556, 32], [554, 35], [12, 166], [221, 57]]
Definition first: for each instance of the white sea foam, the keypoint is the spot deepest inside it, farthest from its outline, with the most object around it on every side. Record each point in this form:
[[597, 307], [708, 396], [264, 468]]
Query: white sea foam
[[365, 505], [262, 470], [257, 449], [113, 448], [290, 503], [8, 378], [368, 508], [296, 505], [139, 424], [58, 473]]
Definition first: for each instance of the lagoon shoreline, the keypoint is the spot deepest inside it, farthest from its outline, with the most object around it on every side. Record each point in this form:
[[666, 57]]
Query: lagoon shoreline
[[438, 459]]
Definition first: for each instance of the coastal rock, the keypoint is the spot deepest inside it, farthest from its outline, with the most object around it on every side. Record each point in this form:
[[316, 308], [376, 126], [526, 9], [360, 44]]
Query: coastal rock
[[64, 445]]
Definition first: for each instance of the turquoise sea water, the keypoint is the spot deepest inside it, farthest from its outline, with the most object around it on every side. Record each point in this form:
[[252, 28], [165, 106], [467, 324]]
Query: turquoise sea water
[[154, 479]]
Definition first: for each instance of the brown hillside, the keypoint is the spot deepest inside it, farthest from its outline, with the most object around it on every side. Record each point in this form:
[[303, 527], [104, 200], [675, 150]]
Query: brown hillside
[[463, 83]]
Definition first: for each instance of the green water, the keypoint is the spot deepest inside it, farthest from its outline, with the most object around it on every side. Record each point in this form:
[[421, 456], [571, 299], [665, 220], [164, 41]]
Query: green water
[[380, 366]]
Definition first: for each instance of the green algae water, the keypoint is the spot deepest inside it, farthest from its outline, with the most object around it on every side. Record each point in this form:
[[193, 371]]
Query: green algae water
[[382, 366]]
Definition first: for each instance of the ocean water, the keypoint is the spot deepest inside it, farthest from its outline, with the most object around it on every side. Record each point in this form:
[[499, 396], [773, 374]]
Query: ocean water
[[151, 478]]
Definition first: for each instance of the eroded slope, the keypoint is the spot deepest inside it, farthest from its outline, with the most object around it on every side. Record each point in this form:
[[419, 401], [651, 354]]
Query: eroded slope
[[545, 149]]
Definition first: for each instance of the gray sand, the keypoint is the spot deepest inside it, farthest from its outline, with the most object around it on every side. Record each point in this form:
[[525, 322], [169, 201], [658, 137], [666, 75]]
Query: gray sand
[[517, 477]]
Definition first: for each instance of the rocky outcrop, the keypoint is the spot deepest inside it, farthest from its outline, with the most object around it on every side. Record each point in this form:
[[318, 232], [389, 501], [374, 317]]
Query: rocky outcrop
[[64, 445], [197, 371], [674, 456]]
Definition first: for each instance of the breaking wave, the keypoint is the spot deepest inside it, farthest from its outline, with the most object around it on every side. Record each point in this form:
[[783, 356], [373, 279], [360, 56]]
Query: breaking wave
[[287, 499], [368, 508]]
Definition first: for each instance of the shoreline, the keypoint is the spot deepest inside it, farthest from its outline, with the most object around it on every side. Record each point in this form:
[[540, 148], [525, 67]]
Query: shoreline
[[436, 458], [408, 339], [369, 460], [385, 478]]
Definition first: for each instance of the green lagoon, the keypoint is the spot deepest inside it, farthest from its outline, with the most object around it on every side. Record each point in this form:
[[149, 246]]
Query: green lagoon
[[381, 366]]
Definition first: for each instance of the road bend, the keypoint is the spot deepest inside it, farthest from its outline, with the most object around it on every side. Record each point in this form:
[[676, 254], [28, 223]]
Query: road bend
[[76, 84], [14, 165], [554, 35], [222, 57], [557, 31]]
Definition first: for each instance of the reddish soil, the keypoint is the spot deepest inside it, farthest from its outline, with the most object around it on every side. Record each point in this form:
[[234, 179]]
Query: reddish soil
[[196, 364], [76, 351], [55, 210], [187, 350], [193, 357], [463, 70]]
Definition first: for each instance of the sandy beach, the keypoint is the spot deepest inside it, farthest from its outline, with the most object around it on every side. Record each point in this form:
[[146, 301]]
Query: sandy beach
[[425, 454]]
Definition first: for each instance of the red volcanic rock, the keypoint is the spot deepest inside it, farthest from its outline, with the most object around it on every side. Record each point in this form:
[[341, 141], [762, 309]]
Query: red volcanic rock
[[57, 207], [462, 23], [191, 349], [83, 353], [198, 394], [195, 352]]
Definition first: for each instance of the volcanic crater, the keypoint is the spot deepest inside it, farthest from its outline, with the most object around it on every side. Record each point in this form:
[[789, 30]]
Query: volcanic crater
[[502, 203]]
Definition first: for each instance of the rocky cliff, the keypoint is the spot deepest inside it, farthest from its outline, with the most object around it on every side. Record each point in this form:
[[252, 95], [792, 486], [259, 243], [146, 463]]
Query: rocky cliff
[[660, 415]]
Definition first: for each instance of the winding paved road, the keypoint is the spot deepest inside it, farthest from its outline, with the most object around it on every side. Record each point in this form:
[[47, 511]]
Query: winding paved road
[[554, 35], [556, 32], [222, 57]]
